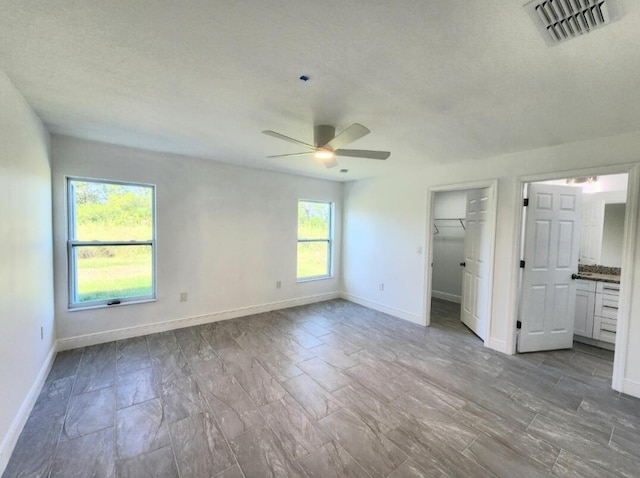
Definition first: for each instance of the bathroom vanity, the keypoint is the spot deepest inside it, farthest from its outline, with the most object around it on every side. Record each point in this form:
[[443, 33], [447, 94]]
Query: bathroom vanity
[[596, 315]]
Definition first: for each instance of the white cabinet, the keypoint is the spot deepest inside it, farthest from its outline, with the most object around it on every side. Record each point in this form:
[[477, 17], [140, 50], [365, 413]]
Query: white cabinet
[[596, 313], [585, 307]]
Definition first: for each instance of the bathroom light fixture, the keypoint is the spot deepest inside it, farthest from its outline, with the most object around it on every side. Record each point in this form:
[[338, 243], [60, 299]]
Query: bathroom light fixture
[[587, 179]]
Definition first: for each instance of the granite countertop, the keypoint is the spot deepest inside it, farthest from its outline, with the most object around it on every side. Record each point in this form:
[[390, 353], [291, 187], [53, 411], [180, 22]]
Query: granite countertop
[[599, 277], [599, 273]]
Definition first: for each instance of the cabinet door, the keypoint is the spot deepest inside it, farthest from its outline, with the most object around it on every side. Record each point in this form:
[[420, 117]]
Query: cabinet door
[[606, 316], [585, 305], [591, 232]]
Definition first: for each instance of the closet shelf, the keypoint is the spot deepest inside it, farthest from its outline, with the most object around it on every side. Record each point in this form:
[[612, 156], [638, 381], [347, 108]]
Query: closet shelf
[[448, 222]]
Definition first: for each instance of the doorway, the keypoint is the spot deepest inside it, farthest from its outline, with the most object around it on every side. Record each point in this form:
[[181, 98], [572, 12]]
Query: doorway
[[462, 233], [571, 268]]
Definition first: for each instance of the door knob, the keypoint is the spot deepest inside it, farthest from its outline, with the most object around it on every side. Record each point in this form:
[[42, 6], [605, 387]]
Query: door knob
[[463, 264]]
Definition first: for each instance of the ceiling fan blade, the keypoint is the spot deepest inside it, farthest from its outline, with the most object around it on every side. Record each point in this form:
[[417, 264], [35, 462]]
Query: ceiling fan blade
[[349, 135], [290, 154], [331, 163], [363, 153], [287, 138]]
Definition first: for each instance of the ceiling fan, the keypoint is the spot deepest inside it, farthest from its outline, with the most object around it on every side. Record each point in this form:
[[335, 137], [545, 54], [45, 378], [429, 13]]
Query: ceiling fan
[[326, 145]]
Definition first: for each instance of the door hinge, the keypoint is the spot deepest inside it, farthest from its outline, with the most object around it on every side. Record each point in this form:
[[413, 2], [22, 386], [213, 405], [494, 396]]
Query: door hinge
[[525, 203], [522, 264], [518, 325]]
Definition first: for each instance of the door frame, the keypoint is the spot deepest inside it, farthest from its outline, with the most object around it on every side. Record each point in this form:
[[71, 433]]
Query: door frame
[[492, 185], [628, 254]]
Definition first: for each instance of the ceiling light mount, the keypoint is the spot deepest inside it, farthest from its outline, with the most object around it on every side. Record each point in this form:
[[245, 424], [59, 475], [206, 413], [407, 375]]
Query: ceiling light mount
[[562, 20]]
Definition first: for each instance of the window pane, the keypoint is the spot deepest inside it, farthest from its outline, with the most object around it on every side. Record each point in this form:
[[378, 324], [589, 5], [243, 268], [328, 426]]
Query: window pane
[[113, 272], [112, 212], [314, 220], [313, 259]]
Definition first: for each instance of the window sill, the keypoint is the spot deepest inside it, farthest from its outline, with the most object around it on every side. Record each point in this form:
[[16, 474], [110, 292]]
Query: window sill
[[313, 279], [105, 306]]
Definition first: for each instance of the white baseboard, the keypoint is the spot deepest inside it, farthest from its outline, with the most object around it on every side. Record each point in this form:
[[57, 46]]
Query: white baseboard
[[401, 314], [631, 387], [446, 296], [13, 433], [129, 332]]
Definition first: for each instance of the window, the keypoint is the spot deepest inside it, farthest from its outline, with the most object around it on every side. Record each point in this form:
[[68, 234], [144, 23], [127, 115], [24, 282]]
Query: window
[[314, 239], [111, 243]]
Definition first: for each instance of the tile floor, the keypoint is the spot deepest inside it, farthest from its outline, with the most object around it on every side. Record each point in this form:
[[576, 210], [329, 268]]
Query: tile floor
[[327, 390]]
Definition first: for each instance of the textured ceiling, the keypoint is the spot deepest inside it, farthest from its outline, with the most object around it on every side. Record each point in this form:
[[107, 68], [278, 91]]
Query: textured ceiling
[[436, 81]]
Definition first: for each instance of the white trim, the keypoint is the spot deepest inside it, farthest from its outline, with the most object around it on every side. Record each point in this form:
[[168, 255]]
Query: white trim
[[329, 240], [72, 242], [618, 381], [594, 342], [13, 433], [312, 279], [492, 185], [399, 313], [128, 332], [105, 306], [513, 285], [631, 387], [446, 296]]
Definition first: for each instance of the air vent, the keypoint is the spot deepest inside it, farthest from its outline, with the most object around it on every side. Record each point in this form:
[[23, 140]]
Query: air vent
[[562, 20]]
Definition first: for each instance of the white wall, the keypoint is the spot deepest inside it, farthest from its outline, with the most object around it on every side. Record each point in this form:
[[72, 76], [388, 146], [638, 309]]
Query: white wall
[[385, 219], [448, 245], [225, 235], [612, 236], [26, 277]]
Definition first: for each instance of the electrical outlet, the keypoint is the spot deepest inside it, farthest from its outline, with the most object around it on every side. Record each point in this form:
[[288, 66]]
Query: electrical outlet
[[278, 284], [381, 286], [183, 296]]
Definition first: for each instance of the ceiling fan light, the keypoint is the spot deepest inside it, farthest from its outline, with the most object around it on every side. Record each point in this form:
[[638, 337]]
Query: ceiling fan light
[[324, 154]]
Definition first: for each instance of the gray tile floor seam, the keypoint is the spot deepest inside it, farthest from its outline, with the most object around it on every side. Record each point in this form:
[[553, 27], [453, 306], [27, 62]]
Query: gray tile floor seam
[[65, 415], [215, 419], [173, 452], [371, 380], [532, 420], [274, 431], [228, 472], [611, 436], [469, 445], [557, 458]]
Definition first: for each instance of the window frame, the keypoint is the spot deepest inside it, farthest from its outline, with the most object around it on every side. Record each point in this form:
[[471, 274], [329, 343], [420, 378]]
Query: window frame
[[328, 241], [72, 243]]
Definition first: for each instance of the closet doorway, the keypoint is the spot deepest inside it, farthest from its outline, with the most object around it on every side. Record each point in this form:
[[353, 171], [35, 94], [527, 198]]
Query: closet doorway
[[462, 231]]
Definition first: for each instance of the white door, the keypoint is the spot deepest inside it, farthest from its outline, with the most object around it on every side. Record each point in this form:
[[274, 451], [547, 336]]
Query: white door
[[474, 311], [551, 241]]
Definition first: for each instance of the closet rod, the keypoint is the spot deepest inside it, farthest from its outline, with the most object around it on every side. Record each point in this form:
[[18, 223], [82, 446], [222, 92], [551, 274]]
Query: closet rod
[[458, 219]]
